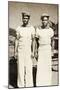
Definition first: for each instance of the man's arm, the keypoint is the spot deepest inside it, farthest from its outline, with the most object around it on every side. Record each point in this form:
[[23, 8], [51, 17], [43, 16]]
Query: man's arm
[[32, 46], [16, 45], [52, 45]]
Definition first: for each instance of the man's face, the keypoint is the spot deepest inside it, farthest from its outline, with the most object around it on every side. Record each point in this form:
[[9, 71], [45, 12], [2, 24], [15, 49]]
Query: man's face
[[45, 21], [25, 19]]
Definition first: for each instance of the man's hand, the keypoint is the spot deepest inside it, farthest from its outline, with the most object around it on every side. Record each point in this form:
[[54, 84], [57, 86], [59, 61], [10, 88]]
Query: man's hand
[[16, 55], [32, 55], [34, 61]]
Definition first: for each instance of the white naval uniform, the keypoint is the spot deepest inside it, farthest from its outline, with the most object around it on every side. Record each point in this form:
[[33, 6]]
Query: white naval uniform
[[24, 56], [44, 73]]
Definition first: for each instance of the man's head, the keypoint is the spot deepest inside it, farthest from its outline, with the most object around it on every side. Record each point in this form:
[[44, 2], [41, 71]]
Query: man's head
[[25, 18], [45, 19]]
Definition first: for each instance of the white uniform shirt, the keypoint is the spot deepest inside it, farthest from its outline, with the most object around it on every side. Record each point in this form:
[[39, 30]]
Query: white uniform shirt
[[25, 34], [24, 45], [45, 35]]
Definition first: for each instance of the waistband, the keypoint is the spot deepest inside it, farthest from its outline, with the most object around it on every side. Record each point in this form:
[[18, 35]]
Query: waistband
[[45, 44]]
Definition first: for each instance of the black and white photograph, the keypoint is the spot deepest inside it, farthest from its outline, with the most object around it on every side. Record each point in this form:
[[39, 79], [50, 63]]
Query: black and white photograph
[[33, 37]]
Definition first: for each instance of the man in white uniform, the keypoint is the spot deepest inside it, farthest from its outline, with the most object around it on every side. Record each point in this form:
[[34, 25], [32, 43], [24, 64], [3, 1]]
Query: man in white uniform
[[25, 33], [45, 34]]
